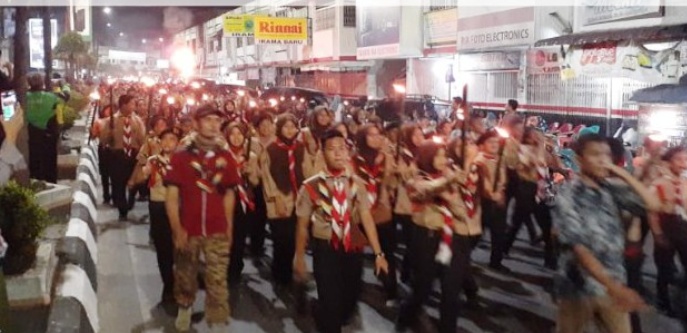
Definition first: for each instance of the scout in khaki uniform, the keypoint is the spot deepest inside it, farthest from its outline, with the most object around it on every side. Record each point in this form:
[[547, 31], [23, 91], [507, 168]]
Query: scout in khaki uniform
[[126, 138], [441, 239], [406, 168], [375, 168], [244, 212], [156, 168], [326, 204], [493, 198], [284, 165], [264, 125], [202, 178]]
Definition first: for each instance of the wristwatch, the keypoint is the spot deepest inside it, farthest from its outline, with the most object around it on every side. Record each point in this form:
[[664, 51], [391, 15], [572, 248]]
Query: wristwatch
[[379, 255]]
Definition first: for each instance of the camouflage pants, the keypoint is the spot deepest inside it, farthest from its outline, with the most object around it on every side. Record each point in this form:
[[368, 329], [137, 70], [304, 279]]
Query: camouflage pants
[[215, 249]]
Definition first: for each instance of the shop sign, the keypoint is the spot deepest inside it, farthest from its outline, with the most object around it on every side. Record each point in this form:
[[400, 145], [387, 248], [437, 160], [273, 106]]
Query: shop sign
[[378, 30], [543, 61], [442, 26], [604, 11], [279, 30], [238, 26], [628, 60], [514, 27], [489, 61]]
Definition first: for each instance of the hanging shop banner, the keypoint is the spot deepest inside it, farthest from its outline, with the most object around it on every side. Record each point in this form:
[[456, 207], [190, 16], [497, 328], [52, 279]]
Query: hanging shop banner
[[628, 60], [489, 61], [36, 49], [543, 61], [378, 30], [238, 26], [279, 30], [604, 11], [501, 28], [442, 26]]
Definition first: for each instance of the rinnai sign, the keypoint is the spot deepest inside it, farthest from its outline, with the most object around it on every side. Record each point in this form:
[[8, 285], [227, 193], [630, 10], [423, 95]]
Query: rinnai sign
[[514, 27], [276, 30], [604, 11]]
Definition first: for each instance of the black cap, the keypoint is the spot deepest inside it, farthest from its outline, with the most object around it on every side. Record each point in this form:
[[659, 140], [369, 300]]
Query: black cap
[[206, 110], [171, 130]]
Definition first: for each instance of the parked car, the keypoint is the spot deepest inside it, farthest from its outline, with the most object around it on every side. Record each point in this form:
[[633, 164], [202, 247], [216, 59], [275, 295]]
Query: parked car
[[412, 106], [282, 97], [228, 89]]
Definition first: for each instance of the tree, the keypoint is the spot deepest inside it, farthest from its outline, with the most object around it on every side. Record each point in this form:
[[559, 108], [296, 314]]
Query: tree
[[47, 46], [21, 67], [70, 48]]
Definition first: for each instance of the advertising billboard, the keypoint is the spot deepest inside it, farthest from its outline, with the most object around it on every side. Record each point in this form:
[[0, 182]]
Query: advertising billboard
[[36, 51]]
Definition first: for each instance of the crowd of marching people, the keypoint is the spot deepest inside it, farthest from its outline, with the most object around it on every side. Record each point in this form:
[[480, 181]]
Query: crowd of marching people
[[337, 183]]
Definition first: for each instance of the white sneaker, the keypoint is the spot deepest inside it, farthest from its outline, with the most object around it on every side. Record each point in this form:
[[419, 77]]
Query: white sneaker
[[183, 322], [219, 328]]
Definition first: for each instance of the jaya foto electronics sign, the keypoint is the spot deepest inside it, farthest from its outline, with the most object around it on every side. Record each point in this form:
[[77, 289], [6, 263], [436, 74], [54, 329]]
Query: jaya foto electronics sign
[[267, 30]]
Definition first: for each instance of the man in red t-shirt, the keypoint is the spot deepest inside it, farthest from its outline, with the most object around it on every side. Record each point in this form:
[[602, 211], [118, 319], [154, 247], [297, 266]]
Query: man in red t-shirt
[[200, 204]]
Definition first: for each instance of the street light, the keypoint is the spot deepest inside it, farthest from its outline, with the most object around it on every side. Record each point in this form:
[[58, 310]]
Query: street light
[[121, 34], [143, 41], [161, 39], [107, 10], [109, 25]]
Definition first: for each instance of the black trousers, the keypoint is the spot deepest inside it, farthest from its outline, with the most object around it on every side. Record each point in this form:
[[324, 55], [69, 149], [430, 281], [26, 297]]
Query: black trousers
[[242, 222], [338, 278], [526, 206], [426, 269], [257, 225], [43, 153], [123, 166], [675, 230], [161, 233], [494, 218], [387, 240], [407, 225], [284, 239], [104, 164], [470, 287], [633, 267]]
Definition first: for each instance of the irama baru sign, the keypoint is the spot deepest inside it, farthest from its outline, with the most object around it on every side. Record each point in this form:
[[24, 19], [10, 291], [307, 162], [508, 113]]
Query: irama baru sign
[[279, 30]]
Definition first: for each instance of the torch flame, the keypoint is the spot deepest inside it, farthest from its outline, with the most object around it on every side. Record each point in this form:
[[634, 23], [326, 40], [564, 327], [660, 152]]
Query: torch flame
[[95, 95], [502, 132], [163, 91], [252, 104], [191, 101], [438, 140], [241, 93], [273, 102], [170, 100]]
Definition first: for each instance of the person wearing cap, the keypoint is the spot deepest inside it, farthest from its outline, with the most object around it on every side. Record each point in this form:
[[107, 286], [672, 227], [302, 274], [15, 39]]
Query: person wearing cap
[[156, 167], [125, 136], [200, 201]]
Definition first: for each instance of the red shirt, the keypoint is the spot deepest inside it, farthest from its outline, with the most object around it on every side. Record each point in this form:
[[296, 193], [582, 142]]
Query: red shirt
[[202, 179]]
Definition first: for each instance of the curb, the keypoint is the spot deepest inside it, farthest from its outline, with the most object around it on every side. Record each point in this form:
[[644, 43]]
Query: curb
[[75, 305]]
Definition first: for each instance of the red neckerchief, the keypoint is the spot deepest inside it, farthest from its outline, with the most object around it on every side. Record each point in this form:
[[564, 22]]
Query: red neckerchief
[[291, 149], [247, 203], [371, 177], [208, 168], [159, 167]]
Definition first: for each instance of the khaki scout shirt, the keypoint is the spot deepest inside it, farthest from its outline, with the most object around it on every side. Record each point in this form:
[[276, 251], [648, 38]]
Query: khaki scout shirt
[[116, 138], [487, 170], [315, 209], [426, 212]]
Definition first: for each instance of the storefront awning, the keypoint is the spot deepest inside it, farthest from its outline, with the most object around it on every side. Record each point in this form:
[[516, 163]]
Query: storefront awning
[[338, 66], [645, 34]]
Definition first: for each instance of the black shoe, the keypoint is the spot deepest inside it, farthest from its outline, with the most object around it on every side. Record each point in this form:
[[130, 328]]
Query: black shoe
[[123, 218], [499, 267]]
